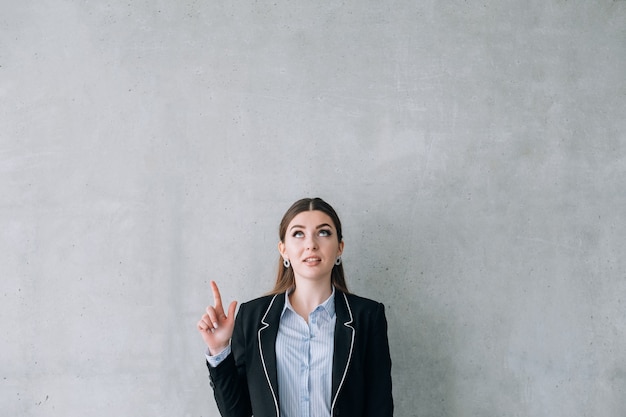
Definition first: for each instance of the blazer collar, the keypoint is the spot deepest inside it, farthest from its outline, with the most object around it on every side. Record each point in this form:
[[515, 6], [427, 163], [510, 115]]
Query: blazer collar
[[344, 343], [267, 333]]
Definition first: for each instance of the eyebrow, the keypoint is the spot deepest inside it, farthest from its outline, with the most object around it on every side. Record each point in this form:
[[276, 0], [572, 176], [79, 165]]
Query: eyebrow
[[318, 227]]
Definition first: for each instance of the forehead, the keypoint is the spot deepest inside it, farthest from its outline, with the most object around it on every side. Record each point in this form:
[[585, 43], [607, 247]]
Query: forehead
[[311, 218]]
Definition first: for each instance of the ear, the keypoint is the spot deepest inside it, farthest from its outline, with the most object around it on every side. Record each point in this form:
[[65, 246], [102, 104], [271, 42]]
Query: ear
[[281, 249], [340, 250]]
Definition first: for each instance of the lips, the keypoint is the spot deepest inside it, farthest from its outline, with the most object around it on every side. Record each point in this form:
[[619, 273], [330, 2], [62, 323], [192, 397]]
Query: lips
[[312, 259]]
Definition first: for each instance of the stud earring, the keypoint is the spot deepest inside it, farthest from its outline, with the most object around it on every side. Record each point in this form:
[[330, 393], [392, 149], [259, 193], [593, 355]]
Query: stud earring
[[338, 261], [286, 263]]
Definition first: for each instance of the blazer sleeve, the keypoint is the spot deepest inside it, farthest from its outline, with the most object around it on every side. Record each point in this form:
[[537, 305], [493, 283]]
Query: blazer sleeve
[[228, 379], [379, 399]]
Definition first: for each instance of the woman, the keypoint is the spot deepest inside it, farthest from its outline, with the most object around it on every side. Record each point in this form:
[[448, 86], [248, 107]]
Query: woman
[[310, 348]]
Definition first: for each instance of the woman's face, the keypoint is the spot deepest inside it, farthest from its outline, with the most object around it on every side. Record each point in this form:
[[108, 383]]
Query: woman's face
[[311, 245]]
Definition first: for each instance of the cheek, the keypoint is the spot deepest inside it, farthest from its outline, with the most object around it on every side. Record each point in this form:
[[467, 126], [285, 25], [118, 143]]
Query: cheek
[[333, 247], [291, 245]]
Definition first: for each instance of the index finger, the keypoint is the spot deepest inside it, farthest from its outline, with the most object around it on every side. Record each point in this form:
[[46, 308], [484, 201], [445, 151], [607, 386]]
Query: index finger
[[216, 295]]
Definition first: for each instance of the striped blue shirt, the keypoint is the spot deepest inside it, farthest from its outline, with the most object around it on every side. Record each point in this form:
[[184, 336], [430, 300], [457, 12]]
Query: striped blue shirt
[[304, 360]]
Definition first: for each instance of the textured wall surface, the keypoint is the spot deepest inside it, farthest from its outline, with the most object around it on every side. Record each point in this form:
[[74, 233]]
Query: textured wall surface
[[476, 152]]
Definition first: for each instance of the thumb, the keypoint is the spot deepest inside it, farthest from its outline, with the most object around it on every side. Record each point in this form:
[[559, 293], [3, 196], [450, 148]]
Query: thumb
[[231, 309]]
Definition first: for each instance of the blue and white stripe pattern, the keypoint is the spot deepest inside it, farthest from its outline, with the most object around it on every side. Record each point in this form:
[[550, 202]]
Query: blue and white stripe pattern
[[304, 356]]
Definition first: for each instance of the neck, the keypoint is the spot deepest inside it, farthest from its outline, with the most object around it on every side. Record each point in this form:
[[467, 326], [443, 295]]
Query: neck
[[308, 295]]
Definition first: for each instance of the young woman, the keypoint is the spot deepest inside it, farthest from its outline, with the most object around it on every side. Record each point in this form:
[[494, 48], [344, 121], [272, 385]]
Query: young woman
[[310, 348]]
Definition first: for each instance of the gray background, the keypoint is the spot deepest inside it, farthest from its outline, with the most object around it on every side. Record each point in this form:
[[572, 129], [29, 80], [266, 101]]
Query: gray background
[[476, 152]]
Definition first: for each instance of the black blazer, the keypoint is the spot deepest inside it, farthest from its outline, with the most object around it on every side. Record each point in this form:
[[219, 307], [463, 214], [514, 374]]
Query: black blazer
[[246, 384]]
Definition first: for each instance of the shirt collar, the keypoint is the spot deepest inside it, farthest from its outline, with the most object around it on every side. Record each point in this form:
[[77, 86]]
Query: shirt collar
[[328, 305]]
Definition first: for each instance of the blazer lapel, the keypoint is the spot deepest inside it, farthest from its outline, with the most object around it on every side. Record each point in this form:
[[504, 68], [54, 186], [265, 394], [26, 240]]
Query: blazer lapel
[[267, 333], [344, 343]]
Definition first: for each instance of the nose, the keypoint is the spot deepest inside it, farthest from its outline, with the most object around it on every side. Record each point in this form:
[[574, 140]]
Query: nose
[[311, 242]]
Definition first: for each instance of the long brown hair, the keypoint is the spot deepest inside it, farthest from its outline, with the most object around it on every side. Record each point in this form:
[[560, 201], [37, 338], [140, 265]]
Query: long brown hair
[[285, 279]]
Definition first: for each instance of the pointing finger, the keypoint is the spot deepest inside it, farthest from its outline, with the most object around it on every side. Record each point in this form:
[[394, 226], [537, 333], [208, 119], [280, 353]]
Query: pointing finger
[[217, 297]]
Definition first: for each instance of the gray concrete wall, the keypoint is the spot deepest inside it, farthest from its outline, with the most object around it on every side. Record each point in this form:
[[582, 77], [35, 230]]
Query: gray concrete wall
[[476, 152]]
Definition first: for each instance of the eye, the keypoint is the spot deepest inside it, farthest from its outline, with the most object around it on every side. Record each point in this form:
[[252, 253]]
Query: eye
[[325, 232], [298, 233]]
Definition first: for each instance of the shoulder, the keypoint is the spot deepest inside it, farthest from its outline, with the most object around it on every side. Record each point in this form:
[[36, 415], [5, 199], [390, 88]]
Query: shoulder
[[360, 305], [363, 312], [261, 304]]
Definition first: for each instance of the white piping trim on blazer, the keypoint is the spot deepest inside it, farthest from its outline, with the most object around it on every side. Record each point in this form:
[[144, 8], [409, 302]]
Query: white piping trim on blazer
[[265, 326], [345, 371]]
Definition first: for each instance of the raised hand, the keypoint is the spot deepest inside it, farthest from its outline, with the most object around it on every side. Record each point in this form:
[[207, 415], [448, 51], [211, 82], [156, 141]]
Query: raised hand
[[215, 327]]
